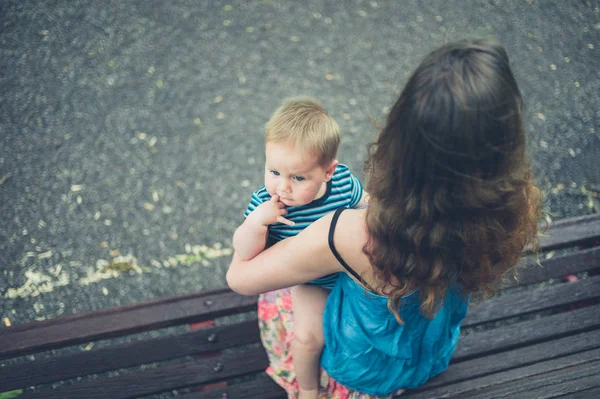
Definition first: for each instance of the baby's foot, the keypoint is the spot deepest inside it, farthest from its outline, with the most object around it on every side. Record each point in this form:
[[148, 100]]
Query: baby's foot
[[308, 394]]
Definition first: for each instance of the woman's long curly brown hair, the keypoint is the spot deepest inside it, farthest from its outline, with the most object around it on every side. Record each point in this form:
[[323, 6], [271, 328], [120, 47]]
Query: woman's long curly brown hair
[[451, 190]]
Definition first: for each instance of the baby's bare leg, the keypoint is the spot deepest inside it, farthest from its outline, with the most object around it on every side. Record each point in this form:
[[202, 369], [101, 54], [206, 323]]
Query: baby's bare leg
[[308, 303]]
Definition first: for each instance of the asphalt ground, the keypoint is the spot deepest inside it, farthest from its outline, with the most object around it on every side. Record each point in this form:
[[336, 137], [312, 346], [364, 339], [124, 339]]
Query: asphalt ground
[[131, 131]]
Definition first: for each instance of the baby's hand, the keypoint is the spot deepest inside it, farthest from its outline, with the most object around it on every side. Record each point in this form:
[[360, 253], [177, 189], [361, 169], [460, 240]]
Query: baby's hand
[[271, 212]]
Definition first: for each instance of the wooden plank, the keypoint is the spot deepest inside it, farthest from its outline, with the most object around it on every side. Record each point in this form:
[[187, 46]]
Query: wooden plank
[[162, 379], [117, 357], [533, 300], [571, 232], [585, 375], [591, 393], [564, 389], [515, 358], [527, 333], [582, 261], [516, 377], [29, 338], [260, 387]]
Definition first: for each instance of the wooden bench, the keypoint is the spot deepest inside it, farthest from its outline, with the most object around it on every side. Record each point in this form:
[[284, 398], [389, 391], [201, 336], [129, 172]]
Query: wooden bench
[[538, 338]]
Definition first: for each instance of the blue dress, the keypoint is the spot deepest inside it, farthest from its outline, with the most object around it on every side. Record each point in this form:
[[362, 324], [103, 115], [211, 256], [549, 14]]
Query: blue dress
[[367, 350]]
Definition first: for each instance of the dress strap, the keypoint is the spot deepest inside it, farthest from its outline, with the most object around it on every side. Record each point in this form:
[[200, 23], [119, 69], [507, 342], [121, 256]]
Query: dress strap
[[334, 221]]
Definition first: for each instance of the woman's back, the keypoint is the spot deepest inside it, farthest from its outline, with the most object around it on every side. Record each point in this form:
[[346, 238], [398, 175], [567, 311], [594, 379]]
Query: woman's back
[[363, 338]]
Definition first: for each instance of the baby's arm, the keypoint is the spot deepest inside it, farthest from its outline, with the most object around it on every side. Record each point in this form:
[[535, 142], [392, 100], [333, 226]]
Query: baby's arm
[[251, 237]]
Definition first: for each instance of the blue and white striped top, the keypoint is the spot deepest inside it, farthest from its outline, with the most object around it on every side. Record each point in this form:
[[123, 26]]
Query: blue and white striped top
[[343, 190]]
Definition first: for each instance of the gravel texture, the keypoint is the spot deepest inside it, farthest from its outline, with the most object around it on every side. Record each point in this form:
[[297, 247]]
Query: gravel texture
[[131, 131]]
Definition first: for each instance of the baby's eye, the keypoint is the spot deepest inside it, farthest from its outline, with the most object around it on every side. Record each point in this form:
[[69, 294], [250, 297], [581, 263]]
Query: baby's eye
[[298, 178], [276, 173]]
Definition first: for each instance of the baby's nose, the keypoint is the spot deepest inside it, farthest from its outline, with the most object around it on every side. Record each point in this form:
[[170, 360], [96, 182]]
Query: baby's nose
[[285, 186]]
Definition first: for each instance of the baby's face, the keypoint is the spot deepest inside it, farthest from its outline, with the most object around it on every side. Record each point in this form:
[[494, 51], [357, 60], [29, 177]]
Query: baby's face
[[295, 176]]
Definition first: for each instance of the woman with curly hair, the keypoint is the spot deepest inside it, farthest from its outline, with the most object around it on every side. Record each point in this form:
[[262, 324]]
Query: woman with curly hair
[[452, 205]]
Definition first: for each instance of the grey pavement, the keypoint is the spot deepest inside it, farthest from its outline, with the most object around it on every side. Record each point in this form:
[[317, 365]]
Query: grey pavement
[[131, 131]]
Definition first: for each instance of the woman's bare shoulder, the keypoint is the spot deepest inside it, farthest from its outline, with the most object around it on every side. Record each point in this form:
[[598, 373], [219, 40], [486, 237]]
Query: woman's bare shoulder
[[350, 237]]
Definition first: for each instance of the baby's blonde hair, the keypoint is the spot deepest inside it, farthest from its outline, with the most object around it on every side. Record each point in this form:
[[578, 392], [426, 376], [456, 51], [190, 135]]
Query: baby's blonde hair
[[305, 123]]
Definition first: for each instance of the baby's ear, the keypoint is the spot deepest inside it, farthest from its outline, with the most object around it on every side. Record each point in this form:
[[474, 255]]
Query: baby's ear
[[331, 169]]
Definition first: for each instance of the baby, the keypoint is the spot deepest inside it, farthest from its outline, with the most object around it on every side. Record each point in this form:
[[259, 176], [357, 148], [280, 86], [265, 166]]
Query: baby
[[303, 182]]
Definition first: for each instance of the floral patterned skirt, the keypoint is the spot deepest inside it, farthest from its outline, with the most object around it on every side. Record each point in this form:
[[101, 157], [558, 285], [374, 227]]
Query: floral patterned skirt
[[275, 320]]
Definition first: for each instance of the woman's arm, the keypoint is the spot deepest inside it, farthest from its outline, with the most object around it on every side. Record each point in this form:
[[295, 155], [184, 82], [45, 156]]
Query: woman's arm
[[293, 261]]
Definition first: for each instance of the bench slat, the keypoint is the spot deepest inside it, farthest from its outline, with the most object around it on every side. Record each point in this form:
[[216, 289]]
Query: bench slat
[[586, 394], [527, 333], [567, 387], [564, 381], [113, 322], [533, 300], [260, 387], [163, 379], [516, 379], [571, 232], [116, 357], [515, 358], [582, 261]]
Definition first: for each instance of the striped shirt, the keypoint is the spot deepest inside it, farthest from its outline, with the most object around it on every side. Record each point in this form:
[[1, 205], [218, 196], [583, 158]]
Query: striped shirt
[[343, 190]]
